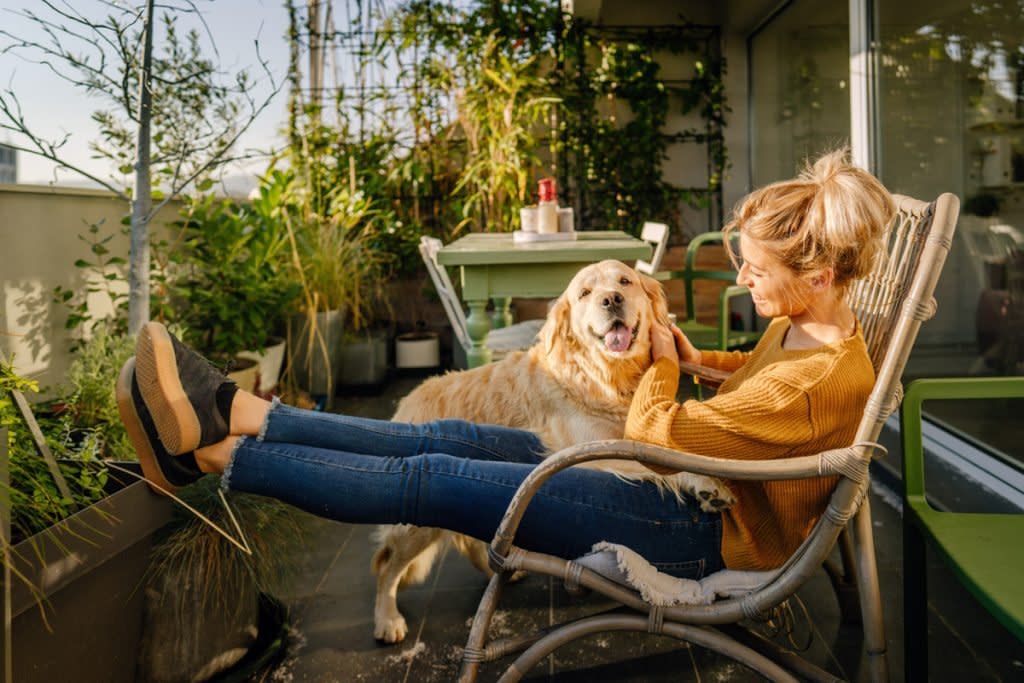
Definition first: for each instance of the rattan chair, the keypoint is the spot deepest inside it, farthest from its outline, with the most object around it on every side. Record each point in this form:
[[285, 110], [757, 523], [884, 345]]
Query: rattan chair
[[890, 304]]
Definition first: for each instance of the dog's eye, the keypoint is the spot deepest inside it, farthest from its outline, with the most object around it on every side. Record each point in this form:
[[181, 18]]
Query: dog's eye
[[584, 292], [624, 280]]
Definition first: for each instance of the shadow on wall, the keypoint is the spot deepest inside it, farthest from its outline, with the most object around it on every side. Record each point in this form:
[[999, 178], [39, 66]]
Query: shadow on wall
[[40, 245], [34, 322]]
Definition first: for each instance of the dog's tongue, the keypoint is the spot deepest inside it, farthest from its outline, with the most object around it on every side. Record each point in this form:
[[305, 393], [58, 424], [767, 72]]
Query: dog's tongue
[[618, 338]]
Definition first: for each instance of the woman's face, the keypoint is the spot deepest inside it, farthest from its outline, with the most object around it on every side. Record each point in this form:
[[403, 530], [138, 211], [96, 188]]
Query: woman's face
[[775, 289]]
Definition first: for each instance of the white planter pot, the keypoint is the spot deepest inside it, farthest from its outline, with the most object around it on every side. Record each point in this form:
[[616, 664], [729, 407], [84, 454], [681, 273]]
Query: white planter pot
[[270, 361], [246, 377], [417, 350]]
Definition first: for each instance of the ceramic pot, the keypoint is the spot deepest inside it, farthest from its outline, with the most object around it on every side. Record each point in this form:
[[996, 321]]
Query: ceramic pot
[[417, 350], [364, 359], [270, 361], [314, 353]]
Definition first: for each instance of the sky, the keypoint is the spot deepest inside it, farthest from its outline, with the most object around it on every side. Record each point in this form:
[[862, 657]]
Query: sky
[[54, 107]]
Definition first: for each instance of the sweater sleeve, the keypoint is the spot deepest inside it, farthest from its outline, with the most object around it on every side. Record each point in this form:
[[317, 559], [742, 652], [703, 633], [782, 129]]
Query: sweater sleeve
[[729, 361], [764, 418]]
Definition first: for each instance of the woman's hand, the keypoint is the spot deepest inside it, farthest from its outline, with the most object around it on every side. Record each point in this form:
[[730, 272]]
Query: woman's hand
[[687, 351], [663, 343], [668, 341]]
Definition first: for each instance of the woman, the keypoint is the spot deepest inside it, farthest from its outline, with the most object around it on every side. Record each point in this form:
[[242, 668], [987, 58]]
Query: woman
[[800, 391]]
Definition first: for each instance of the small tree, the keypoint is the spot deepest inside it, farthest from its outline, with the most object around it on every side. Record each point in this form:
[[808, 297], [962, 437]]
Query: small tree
[[170, 118]]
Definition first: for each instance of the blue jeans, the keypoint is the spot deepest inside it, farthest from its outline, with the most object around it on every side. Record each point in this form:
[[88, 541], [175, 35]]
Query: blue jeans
[[461, 476]]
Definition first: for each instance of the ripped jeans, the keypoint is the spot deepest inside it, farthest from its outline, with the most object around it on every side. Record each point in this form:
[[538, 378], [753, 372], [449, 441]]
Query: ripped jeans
[[461, 476]]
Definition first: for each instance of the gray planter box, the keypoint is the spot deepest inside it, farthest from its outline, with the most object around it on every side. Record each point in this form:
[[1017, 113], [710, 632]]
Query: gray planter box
[[90, 568]]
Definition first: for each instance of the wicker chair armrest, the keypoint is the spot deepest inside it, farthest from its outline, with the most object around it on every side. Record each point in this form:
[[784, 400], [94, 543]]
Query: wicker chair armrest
[[707, 376], [851, 462]]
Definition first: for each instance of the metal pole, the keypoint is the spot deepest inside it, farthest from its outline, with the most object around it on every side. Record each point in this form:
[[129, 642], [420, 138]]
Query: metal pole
[[863, 129]]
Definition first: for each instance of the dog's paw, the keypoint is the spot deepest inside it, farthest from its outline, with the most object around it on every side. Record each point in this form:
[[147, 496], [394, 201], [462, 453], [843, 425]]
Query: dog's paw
[[391, 630], [715, 498]]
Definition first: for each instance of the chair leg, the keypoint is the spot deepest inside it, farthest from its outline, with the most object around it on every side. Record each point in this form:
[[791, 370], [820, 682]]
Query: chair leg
[[474, 655], [843, 582], [915, 602], [863, 546]]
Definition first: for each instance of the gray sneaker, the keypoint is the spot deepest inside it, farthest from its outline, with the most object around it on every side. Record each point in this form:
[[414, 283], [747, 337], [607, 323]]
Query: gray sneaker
[[164, 472], [181, 389]]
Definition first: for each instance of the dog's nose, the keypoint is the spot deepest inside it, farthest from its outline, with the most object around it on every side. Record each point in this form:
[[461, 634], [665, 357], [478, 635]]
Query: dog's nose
[[613, 300]]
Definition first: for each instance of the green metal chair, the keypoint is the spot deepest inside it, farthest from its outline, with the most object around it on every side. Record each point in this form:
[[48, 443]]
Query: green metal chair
[[985, 551], [703, 335]]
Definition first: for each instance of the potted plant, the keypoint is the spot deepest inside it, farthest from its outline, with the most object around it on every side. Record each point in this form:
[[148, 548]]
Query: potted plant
[[228, 287], [209, 604], [76, 544], [332, 260]]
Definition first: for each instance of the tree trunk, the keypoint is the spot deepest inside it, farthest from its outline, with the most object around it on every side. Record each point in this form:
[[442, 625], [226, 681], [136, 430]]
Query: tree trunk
[[142, 202]]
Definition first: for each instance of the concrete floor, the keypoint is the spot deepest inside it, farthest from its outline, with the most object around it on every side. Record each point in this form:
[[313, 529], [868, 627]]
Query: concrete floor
[[331, 611]]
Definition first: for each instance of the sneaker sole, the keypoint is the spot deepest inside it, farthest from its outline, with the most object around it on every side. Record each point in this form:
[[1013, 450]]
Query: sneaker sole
[[137, 433], [157, 374]]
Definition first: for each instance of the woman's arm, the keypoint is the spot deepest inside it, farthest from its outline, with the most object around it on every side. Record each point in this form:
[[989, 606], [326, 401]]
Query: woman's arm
[[763, 418]]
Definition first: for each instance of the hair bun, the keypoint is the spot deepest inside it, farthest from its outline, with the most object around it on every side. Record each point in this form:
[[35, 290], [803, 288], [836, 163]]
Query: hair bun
[[832, 216]]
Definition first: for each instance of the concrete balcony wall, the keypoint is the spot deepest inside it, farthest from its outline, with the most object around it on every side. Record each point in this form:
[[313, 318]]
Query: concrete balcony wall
[[39, 244]]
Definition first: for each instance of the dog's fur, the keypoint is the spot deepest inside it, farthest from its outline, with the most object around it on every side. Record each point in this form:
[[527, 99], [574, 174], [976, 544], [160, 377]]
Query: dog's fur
[[568, 388]]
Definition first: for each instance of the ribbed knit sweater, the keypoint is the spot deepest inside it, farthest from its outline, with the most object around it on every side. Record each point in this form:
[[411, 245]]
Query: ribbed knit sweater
[[778, 403]]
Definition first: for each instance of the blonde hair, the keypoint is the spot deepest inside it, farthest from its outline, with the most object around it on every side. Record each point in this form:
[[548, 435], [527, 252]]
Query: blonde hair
[[832, 215]]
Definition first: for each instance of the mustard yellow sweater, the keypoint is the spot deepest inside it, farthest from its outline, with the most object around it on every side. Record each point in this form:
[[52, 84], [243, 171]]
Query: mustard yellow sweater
[[777, 404]]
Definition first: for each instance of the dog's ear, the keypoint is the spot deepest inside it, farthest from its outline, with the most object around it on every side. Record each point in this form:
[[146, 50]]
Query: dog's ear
[[656, 293], [557, 326]]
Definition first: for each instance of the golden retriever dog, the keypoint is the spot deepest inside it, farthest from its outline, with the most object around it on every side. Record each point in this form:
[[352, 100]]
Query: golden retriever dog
[[574, 385]]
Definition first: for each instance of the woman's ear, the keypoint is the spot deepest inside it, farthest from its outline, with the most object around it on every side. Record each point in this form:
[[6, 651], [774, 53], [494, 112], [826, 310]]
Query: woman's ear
[[822, 279]]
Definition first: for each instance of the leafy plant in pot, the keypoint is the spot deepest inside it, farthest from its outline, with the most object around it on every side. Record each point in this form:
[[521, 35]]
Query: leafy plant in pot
[[78, 544], [332, 258], [228, 286], [207, 601]]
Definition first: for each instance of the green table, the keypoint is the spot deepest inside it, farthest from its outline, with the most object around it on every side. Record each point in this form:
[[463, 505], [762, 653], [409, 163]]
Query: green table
[[493, 266]]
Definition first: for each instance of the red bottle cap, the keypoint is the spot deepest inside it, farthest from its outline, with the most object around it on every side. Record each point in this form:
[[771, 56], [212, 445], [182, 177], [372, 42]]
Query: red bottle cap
[[546, 189]]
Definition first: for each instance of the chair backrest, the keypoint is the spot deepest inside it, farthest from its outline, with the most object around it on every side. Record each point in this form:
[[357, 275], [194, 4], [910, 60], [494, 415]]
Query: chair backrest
[[657, 235], [918, 239], [891, 303], [429, 246]]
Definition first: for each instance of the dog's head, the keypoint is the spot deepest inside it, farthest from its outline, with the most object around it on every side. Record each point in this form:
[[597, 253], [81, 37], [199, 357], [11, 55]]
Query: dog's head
[[603, 320]]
